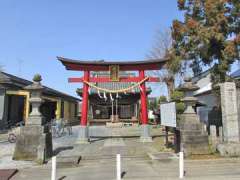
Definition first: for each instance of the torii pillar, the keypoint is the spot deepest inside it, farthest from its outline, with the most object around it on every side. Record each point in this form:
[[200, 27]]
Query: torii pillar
[[83, 136], [145, 128]]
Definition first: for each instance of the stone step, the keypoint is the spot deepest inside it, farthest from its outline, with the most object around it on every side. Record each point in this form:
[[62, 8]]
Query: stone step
[[194, 139], [74, 161]]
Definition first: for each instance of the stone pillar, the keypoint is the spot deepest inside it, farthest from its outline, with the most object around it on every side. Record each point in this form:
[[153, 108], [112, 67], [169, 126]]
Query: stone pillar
[[145, 128], [229, 112], [213, 137], [230, 145], [35, 140]]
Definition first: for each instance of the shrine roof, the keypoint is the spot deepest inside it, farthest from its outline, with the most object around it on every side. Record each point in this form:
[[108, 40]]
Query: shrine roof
[[102, 65]]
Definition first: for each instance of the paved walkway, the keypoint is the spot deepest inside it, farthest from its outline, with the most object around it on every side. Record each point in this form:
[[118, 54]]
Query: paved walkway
[[97, 161]]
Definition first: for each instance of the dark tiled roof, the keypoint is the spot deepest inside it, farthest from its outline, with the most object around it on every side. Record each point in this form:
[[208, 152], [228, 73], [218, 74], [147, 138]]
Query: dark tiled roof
[[116, 85], [101, 65], [6, 78], [103, 62]]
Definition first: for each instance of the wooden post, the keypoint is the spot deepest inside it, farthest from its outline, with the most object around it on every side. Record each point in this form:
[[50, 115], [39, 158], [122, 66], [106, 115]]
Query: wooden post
[[177, 139], [144, 114], [166, 136], [85, 100]]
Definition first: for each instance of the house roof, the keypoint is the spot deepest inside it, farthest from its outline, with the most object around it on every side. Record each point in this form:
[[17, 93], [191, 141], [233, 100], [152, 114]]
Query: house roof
[[236, 74], [203, 90], [6, 78]]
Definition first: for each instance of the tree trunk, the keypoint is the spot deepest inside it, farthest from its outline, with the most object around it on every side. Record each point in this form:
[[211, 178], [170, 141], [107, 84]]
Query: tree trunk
[[170, 87]]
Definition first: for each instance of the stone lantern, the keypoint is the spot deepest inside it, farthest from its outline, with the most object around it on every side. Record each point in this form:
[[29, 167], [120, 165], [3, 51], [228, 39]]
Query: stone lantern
[[189, 100], [194, 139], [35, 140], [35, 89]]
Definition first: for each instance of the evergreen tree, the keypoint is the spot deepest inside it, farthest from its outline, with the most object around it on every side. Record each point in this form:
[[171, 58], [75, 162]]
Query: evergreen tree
[[210, 33]]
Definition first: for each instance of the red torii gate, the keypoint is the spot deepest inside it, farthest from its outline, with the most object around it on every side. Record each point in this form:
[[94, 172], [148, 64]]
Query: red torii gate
[[88, 66]]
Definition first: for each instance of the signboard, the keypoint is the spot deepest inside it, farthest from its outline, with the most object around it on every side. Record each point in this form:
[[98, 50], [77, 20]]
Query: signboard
[[168, 114], [114, 72]]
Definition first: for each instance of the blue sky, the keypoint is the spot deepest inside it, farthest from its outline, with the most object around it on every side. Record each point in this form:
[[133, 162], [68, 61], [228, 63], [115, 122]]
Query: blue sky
[[33, 33]]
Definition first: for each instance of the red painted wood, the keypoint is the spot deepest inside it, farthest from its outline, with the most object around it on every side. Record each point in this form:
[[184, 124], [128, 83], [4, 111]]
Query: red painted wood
[[144, 112], [89, 67], [107, 79], [85, 100]]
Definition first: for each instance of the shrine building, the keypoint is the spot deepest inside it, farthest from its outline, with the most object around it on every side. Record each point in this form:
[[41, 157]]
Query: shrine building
[[122, 107]]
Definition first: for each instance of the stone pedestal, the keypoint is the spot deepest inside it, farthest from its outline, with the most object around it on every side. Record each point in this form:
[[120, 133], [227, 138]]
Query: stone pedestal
[[194, 140], [35, 140], [34, 143], [145, 133], [83, 136]]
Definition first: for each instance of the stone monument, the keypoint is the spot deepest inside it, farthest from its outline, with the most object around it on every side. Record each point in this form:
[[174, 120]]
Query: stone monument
[[230, 145], [35, 140], [194, 138]]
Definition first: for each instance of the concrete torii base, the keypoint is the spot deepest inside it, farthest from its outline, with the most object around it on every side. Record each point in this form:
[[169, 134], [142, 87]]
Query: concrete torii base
[[83, 135], [145, 133]]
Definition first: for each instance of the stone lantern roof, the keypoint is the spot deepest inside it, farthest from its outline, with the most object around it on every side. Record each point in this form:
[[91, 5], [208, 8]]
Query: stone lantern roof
[[188, 86]]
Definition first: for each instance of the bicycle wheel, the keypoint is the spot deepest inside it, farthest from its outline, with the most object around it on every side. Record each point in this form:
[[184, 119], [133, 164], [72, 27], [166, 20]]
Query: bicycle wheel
[[12, 138]]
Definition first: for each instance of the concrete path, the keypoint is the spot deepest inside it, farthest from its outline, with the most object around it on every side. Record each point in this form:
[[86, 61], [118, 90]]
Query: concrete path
[[96, 161]]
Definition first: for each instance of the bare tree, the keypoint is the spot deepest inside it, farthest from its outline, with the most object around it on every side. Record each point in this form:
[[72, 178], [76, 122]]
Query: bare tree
[[162, 48]]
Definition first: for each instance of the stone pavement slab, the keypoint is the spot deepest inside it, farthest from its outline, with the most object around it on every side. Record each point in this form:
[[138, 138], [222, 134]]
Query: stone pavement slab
[[139, 169]]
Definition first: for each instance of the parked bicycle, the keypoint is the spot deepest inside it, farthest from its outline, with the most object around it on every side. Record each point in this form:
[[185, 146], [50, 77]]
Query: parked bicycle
[[13, 132], [58, 128]]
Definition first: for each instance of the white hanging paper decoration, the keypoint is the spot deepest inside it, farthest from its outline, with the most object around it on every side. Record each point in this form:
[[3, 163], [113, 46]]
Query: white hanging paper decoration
[[99, 94], [104, 95], [111, 97], [117, 96]]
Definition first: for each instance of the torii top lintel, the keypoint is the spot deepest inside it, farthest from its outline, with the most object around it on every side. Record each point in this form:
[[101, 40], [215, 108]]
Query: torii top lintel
[[101, 65]]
